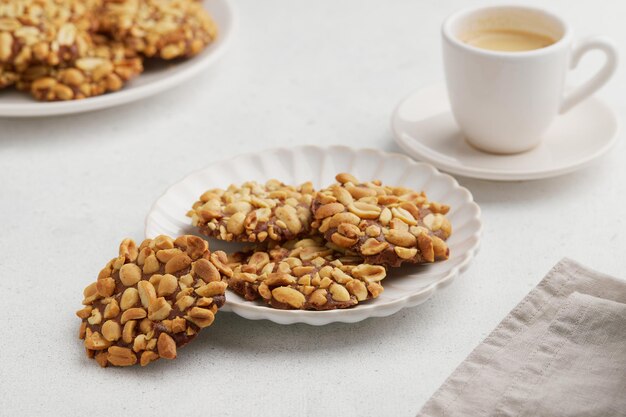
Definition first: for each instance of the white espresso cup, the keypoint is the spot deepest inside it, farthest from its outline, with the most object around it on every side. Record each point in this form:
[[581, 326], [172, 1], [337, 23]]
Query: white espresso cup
[[504, 101]]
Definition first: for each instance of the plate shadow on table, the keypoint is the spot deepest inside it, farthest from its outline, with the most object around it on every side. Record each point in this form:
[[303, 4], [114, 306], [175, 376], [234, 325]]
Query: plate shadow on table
[[264, 339], [234, 333], [84, 127], [488, 193], [33, 131]]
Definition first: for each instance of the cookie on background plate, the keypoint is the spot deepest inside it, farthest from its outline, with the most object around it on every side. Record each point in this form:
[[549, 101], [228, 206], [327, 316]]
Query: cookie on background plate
[[305, 275], [45, 32], [151, 300], [254, 212], [106, 67], [167, 29], [385, 225]]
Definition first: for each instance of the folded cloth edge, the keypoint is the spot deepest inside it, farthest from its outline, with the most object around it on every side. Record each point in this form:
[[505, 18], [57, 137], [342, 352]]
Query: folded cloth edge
[[551, 286]]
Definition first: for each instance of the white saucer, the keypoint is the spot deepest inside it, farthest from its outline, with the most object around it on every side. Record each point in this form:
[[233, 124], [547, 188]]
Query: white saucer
[[157, 77], [425, 129]]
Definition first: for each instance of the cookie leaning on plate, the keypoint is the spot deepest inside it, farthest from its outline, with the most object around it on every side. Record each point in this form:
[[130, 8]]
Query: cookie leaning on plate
[[383, 224], [151, 300], [305, 275], [254, 212]]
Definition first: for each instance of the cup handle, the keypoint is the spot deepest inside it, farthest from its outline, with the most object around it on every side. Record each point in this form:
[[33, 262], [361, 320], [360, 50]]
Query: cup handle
[[588, 88]]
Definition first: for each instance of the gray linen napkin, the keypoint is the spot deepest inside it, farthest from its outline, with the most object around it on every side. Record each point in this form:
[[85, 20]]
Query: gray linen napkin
[[560, 352]]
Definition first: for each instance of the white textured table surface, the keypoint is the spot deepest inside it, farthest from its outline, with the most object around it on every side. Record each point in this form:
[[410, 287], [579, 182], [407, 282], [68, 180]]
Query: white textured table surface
[[314, 72]]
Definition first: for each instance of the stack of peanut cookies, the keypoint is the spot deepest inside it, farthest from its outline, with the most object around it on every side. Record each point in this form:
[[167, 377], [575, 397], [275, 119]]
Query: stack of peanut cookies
[[73, 49], [313, 250], [326, 249]]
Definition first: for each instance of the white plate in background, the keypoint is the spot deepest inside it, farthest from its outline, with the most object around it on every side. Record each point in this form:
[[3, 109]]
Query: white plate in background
[[157, 77], [404, 287]]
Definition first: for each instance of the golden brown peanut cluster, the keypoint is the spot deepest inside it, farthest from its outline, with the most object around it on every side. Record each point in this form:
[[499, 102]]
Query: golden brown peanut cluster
[[8, 77], [45, 32], [305, 275], [151, 300], [255, 213], [385, 225], [106, 68], [167, 29]]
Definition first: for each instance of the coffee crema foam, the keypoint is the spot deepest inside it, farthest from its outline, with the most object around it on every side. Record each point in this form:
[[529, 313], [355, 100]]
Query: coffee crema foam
[[507, 40]]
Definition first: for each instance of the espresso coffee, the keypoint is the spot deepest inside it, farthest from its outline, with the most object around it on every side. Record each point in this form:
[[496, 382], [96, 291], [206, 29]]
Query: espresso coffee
[[504, 100], [507, 40]]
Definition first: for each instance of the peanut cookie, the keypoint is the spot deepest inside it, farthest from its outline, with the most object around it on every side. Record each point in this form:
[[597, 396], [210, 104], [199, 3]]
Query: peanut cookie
[[255, 213], [46, 32], [305, 275], [151, 300], [385, 225], [106, 67], [167, 29]]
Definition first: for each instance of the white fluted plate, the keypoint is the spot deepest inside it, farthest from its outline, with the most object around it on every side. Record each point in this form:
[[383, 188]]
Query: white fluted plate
[[404, 287], [157, 77]]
